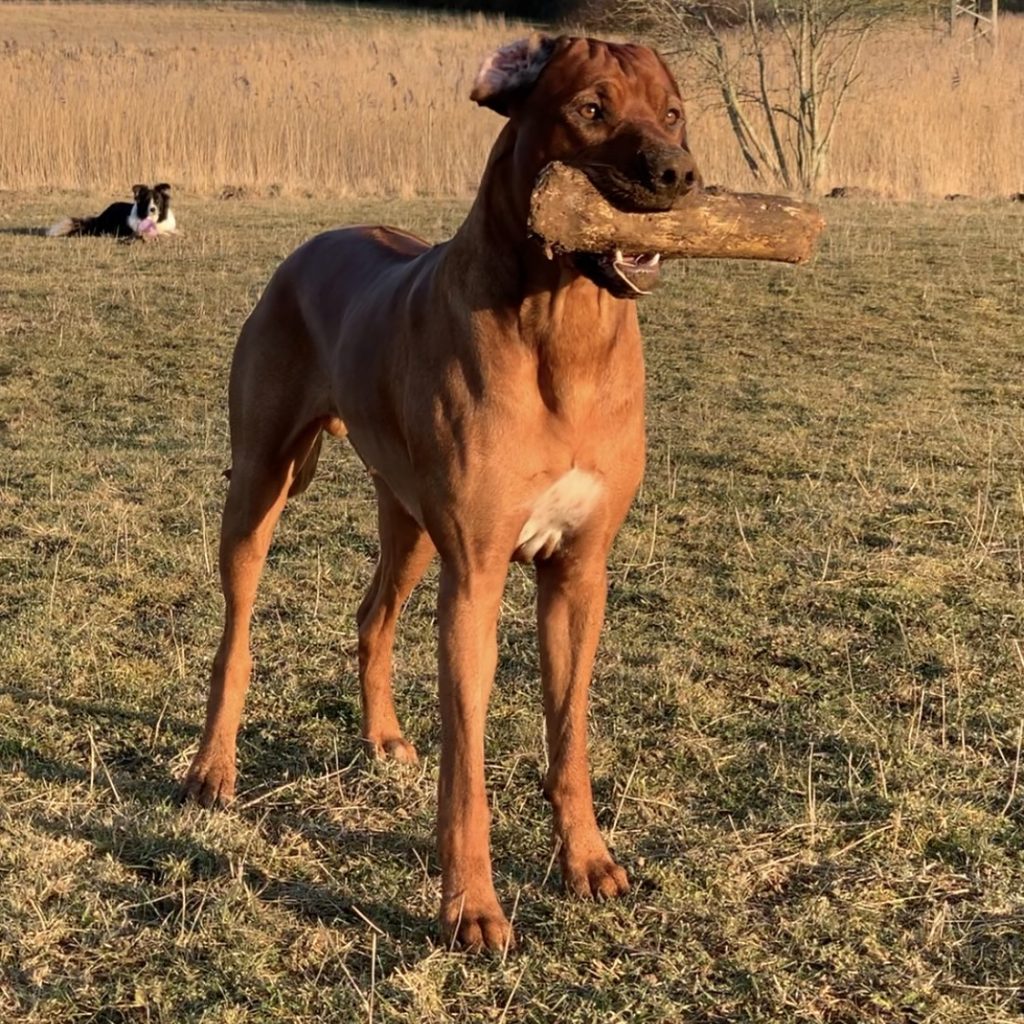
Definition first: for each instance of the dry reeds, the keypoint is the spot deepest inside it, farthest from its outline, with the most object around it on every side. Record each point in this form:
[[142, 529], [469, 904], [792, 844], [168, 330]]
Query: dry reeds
[[285, 99], [294, 99], [929, 115]]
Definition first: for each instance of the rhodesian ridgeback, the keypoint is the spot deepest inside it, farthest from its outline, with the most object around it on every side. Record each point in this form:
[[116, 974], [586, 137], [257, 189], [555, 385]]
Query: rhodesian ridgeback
[[495, 392]]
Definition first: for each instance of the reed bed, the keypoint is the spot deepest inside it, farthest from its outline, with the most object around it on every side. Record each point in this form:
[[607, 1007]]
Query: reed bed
[[267, 99], [281, 99], [928, 115]]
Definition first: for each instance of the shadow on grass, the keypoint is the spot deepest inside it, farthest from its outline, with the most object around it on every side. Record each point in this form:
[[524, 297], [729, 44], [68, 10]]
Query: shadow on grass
[[130, 776], [139, 767], [93, 710], [37, 232], [172, 865], [176, 866]]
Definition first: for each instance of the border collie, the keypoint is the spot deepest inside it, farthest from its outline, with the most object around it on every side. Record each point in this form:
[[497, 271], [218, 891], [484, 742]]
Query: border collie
[[148, 215]]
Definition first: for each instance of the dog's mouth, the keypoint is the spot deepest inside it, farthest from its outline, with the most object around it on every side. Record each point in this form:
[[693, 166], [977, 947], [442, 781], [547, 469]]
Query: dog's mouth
[[625, 275]]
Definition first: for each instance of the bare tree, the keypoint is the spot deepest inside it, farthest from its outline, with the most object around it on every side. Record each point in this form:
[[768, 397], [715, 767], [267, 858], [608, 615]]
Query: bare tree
[[782, 69]]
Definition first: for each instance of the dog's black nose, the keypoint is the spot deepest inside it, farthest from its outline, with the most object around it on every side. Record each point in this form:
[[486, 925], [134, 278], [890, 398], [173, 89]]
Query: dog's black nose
[[671, 171]]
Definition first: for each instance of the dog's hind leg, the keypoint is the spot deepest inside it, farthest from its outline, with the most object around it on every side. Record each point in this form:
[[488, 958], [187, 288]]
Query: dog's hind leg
[[274, 444], [62, 228], [405, 553], [256, 496]]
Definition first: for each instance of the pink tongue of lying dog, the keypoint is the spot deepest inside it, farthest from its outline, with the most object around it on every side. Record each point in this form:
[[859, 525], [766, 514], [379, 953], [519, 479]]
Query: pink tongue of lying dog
[[147, 228]]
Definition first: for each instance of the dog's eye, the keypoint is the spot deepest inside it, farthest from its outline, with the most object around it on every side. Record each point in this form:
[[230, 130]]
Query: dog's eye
[[673, 116], [591, 112]]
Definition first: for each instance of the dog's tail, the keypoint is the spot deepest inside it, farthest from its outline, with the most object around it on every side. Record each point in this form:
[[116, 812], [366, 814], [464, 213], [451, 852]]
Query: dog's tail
[[66, 226]]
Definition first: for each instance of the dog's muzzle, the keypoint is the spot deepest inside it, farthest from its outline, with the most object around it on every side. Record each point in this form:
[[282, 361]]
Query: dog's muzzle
[[651, 182], [670, 174], [659, 177]]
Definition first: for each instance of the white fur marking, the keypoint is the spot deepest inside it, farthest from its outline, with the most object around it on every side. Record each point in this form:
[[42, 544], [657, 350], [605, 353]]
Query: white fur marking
[[167, 226], [559, 510]]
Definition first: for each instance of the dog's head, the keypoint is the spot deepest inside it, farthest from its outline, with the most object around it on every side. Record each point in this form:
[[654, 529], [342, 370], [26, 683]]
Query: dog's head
[[612, 110], [153, 203]]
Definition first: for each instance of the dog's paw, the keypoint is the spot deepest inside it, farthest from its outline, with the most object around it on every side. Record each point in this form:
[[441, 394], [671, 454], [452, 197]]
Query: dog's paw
[[476, 927], [210, 781], [595, 877], [393, 748]]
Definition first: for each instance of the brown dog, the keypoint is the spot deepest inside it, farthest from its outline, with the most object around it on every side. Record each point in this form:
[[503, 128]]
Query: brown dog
[[496, 396]]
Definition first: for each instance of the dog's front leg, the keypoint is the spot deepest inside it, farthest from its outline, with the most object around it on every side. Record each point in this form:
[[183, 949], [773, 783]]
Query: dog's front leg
[[468, 603], [571, 592]]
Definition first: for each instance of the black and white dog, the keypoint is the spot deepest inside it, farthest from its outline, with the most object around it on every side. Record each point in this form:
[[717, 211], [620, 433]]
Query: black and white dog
[[149, 215]]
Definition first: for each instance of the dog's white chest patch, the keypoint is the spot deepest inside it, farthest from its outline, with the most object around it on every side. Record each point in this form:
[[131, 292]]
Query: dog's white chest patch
[[559, 510]]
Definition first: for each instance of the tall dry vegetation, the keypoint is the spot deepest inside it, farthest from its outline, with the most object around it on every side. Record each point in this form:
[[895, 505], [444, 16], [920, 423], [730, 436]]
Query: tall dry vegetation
[[316, 100], [933, 116], [96, 97], [925, 115]]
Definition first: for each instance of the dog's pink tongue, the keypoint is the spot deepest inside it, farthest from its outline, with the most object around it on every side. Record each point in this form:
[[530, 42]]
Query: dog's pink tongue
[[147, 227]]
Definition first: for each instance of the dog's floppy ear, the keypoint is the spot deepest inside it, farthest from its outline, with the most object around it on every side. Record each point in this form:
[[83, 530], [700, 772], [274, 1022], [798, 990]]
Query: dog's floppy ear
[[138, 189], [163, 188], [508, 74]]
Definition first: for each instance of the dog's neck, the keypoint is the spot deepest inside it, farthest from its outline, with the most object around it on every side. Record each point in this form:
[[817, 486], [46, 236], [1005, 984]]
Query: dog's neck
[[556, 305]]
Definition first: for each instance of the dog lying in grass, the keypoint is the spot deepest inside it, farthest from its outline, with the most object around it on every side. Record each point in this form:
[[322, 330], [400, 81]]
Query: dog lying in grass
[[147, 216]]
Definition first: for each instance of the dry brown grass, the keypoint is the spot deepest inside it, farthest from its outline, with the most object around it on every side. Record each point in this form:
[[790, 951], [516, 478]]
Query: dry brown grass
[[359, 103], [806, 713]]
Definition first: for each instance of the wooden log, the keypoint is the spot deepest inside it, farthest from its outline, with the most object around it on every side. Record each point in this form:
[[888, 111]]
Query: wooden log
[[570, 215]]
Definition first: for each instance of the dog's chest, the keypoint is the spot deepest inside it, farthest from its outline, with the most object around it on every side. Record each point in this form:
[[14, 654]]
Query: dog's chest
[[557, 512]]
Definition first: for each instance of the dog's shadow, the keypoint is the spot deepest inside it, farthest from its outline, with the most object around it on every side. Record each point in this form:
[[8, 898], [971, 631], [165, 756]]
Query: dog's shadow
[[165, 852], [145, 844], [179, 876]]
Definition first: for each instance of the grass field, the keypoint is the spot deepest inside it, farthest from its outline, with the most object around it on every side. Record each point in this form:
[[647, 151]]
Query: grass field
[[807, 710], [294, 99]]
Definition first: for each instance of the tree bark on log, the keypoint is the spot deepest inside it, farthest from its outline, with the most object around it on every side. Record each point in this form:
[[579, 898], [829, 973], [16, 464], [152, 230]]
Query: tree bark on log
[[569, 214]]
